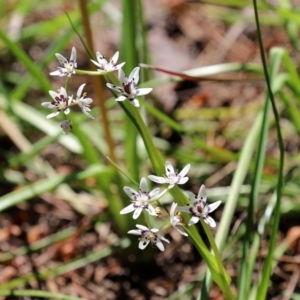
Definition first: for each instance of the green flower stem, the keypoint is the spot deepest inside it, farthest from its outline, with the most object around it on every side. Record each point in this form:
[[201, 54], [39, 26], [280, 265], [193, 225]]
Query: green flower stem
[[262, 289], [220, 277], [213, 246], [92, 73]]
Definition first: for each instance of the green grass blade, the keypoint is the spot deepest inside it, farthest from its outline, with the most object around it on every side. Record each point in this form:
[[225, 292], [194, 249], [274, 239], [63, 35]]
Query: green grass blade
[[32, 190]]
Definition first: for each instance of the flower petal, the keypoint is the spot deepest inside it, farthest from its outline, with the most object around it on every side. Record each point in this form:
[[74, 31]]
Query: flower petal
[[96, 63], [115, 58], [137, 212], [53, 115], [211, 207], [79, 92], [85, 110], [121, 98], [144, 185], [192, 197], [119, 66], [169, 168], [180, 231], [172, 210], [63, 92], [127, 209], [53, 94], [162, 238], [193, 220], [151, 210], [184, 170], [182, 180], [143, 91], [56, 73], [48, 105], [73, 55], [135, 232], [135, 102], [114, 87], [134, 76], [160, 245], [131, 192], [61, 59], [67, 111], [143, 244], [86, 101], [158, 179], [121, 76], [202, 193], [210, 221], [154, 193], [142, 227]]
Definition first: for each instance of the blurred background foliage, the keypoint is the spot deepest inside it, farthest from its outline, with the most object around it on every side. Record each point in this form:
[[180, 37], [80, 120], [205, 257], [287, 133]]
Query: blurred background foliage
[[60, 228]]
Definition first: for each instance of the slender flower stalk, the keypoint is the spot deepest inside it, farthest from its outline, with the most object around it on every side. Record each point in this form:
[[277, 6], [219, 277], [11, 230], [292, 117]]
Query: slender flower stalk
[[149, 236], [67, 67], [171, 176], [129, 90], [199, 208]]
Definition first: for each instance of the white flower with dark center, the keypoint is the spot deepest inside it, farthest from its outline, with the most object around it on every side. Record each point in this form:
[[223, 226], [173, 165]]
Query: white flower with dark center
[[149, 236], [67, 67], [107, 66], [82, 102], [129, 89], [140, 200], [200, 209], [60, 102], [171, 177], [66, 126], [175, 219]]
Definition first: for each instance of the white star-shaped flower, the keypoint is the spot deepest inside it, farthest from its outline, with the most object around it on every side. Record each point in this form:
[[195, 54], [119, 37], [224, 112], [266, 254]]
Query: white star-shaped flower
[[67, 67], [60, 102], [149, 236], [107, 66], [83, 103], [200, 209], [140, 200], [175, 219], [129, 89], [171, 177]]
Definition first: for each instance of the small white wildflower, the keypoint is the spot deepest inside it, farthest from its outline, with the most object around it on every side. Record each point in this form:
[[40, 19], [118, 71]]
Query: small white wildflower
[[129, 89], [147, 236], [107, 66], [175, 219], [67, 67], [140, 200], [200, 209], [60, 102], [66, 126], [171, 177], [83, 103]]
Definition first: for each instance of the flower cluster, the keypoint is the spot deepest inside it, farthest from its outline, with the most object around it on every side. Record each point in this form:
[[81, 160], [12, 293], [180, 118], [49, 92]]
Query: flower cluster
[[143, 200], [61, 101]]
